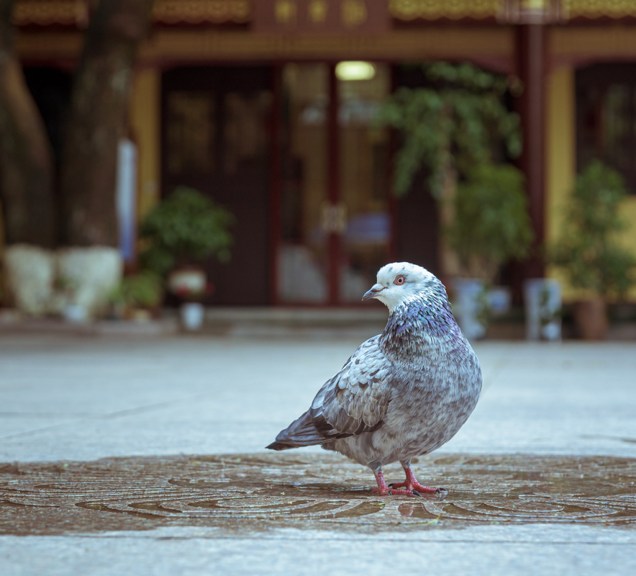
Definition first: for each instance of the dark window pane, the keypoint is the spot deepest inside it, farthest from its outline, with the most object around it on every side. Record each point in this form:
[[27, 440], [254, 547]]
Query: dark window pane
[[606, 117], [190, 133]]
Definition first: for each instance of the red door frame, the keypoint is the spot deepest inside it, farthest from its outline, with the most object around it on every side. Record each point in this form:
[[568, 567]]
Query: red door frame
[[333, 185]]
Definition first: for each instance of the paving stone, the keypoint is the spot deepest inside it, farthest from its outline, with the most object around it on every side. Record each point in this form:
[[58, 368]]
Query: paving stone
[[144, 455]]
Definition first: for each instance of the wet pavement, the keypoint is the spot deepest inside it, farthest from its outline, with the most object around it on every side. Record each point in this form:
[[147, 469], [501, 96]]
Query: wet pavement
[[259, 493], [146, 452]]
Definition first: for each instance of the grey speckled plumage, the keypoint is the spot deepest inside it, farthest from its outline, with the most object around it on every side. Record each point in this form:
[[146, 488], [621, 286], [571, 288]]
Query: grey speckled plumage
[[404, 392]]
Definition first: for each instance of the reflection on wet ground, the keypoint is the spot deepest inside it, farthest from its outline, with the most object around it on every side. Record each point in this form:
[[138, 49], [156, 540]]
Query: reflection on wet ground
[[311, 491]]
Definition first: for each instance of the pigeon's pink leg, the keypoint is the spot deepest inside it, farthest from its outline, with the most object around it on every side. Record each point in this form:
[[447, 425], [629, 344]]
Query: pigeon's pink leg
[[384, 489], [411, 484]]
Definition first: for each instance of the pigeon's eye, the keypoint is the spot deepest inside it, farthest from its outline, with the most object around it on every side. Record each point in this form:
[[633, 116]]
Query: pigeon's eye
[[399, 280]]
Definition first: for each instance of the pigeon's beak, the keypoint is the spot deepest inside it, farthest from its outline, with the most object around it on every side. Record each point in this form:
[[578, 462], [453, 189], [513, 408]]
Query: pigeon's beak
[[372, 292]]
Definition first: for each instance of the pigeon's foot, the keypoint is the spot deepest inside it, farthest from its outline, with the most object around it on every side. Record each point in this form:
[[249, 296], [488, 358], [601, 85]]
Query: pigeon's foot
[[416, 489], [403, 488], [396, 490], [413, 487], [388, 491], [393, 492]]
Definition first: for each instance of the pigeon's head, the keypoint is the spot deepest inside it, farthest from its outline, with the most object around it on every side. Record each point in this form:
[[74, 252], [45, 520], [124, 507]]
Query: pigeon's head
[[399, 282]]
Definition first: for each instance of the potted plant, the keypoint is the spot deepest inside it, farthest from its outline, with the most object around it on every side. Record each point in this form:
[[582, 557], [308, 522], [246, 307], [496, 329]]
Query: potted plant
[[490, 222], [137, 296], [452, 125], [490, 225], [597, 266], [181, 232], [191, 294]]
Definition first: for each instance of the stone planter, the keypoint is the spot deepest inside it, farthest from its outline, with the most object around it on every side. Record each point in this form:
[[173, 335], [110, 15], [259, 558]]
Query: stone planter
[[74, 314], [91, 274], [43, 281], [590, 319], [499, 300], [542, 299], [471, 304], [191, 315], [30, 273]]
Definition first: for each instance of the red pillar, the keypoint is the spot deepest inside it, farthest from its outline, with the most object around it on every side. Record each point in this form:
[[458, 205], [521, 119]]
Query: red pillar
[[333, 183], [531, 69]]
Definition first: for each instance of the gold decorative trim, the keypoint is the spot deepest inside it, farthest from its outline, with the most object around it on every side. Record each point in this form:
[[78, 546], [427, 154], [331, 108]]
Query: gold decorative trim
[[50, 12], [74, 12], [408, 10], [593, 9], [202, 11]]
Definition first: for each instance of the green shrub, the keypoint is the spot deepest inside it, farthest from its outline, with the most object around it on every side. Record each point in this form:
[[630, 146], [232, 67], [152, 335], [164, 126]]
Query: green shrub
[[141, 290], [589, 250], [184, 229], [490, 222]]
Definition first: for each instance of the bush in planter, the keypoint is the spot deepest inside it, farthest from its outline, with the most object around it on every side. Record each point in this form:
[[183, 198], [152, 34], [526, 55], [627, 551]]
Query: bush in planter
[[589, 251], [183, 230], [449, 126], [490, 223], [140, 291]]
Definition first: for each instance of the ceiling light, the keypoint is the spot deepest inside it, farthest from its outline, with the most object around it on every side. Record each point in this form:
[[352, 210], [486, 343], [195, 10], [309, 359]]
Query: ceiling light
[[355, 70]]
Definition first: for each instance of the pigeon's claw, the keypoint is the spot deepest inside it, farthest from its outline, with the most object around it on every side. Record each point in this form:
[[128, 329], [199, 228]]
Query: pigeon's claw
[[413, 487], [416, 487], [401, 489], [389, 491]]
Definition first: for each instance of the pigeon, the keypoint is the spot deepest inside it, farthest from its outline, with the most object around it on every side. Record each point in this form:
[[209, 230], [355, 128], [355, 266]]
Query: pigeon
[[402, 393]]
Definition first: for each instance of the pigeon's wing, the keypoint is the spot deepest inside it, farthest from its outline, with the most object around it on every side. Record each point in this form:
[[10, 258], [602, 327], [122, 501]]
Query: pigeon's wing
[[354, 401]]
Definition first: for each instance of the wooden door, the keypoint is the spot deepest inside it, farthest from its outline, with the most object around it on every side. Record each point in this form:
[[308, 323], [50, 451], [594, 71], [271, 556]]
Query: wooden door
[[216, 138]]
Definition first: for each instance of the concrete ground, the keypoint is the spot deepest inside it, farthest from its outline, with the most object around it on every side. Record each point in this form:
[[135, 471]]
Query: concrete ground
[[542, 478]]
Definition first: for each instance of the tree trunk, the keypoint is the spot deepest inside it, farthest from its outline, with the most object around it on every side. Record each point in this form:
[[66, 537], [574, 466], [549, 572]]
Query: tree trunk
[[97, 121], [26, 168]]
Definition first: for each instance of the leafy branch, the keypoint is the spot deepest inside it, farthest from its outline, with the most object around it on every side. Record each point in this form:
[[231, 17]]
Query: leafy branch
[[457, 120]]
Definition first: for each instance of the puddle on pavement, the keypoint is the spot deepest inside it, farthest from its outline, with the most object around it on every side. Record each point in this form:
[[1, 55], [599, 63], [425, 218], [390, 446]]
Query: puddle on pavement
[[242, 493]]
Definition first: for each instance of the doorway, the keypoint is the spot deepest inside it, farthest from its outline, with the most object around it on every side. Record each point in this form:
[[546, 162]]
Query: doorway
[[216, 138], [334, 221], [293, 152]]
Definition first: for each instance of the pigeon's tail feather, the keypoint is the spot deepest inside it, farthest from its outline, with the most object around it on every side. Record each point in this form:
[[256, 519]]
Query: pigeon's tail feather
[[301, 432]]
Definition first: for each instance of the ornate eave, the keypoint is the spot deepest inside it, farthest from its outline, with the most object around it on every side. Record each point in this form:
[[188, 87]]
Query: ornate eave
[[166, 12], [511, 11], [50, 12], [194, 12], [74, 13], [599, 9], [431, 10]]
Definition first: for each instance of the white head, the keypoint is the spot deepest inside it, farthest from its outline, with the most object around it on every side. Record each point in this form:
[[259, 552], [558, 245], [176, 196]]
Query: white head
[[399, 282]]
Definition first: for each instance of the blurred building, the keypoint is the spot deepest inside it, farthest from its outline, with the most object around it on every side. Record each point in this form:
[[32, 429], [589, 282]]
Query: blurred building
[[268, 107]]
